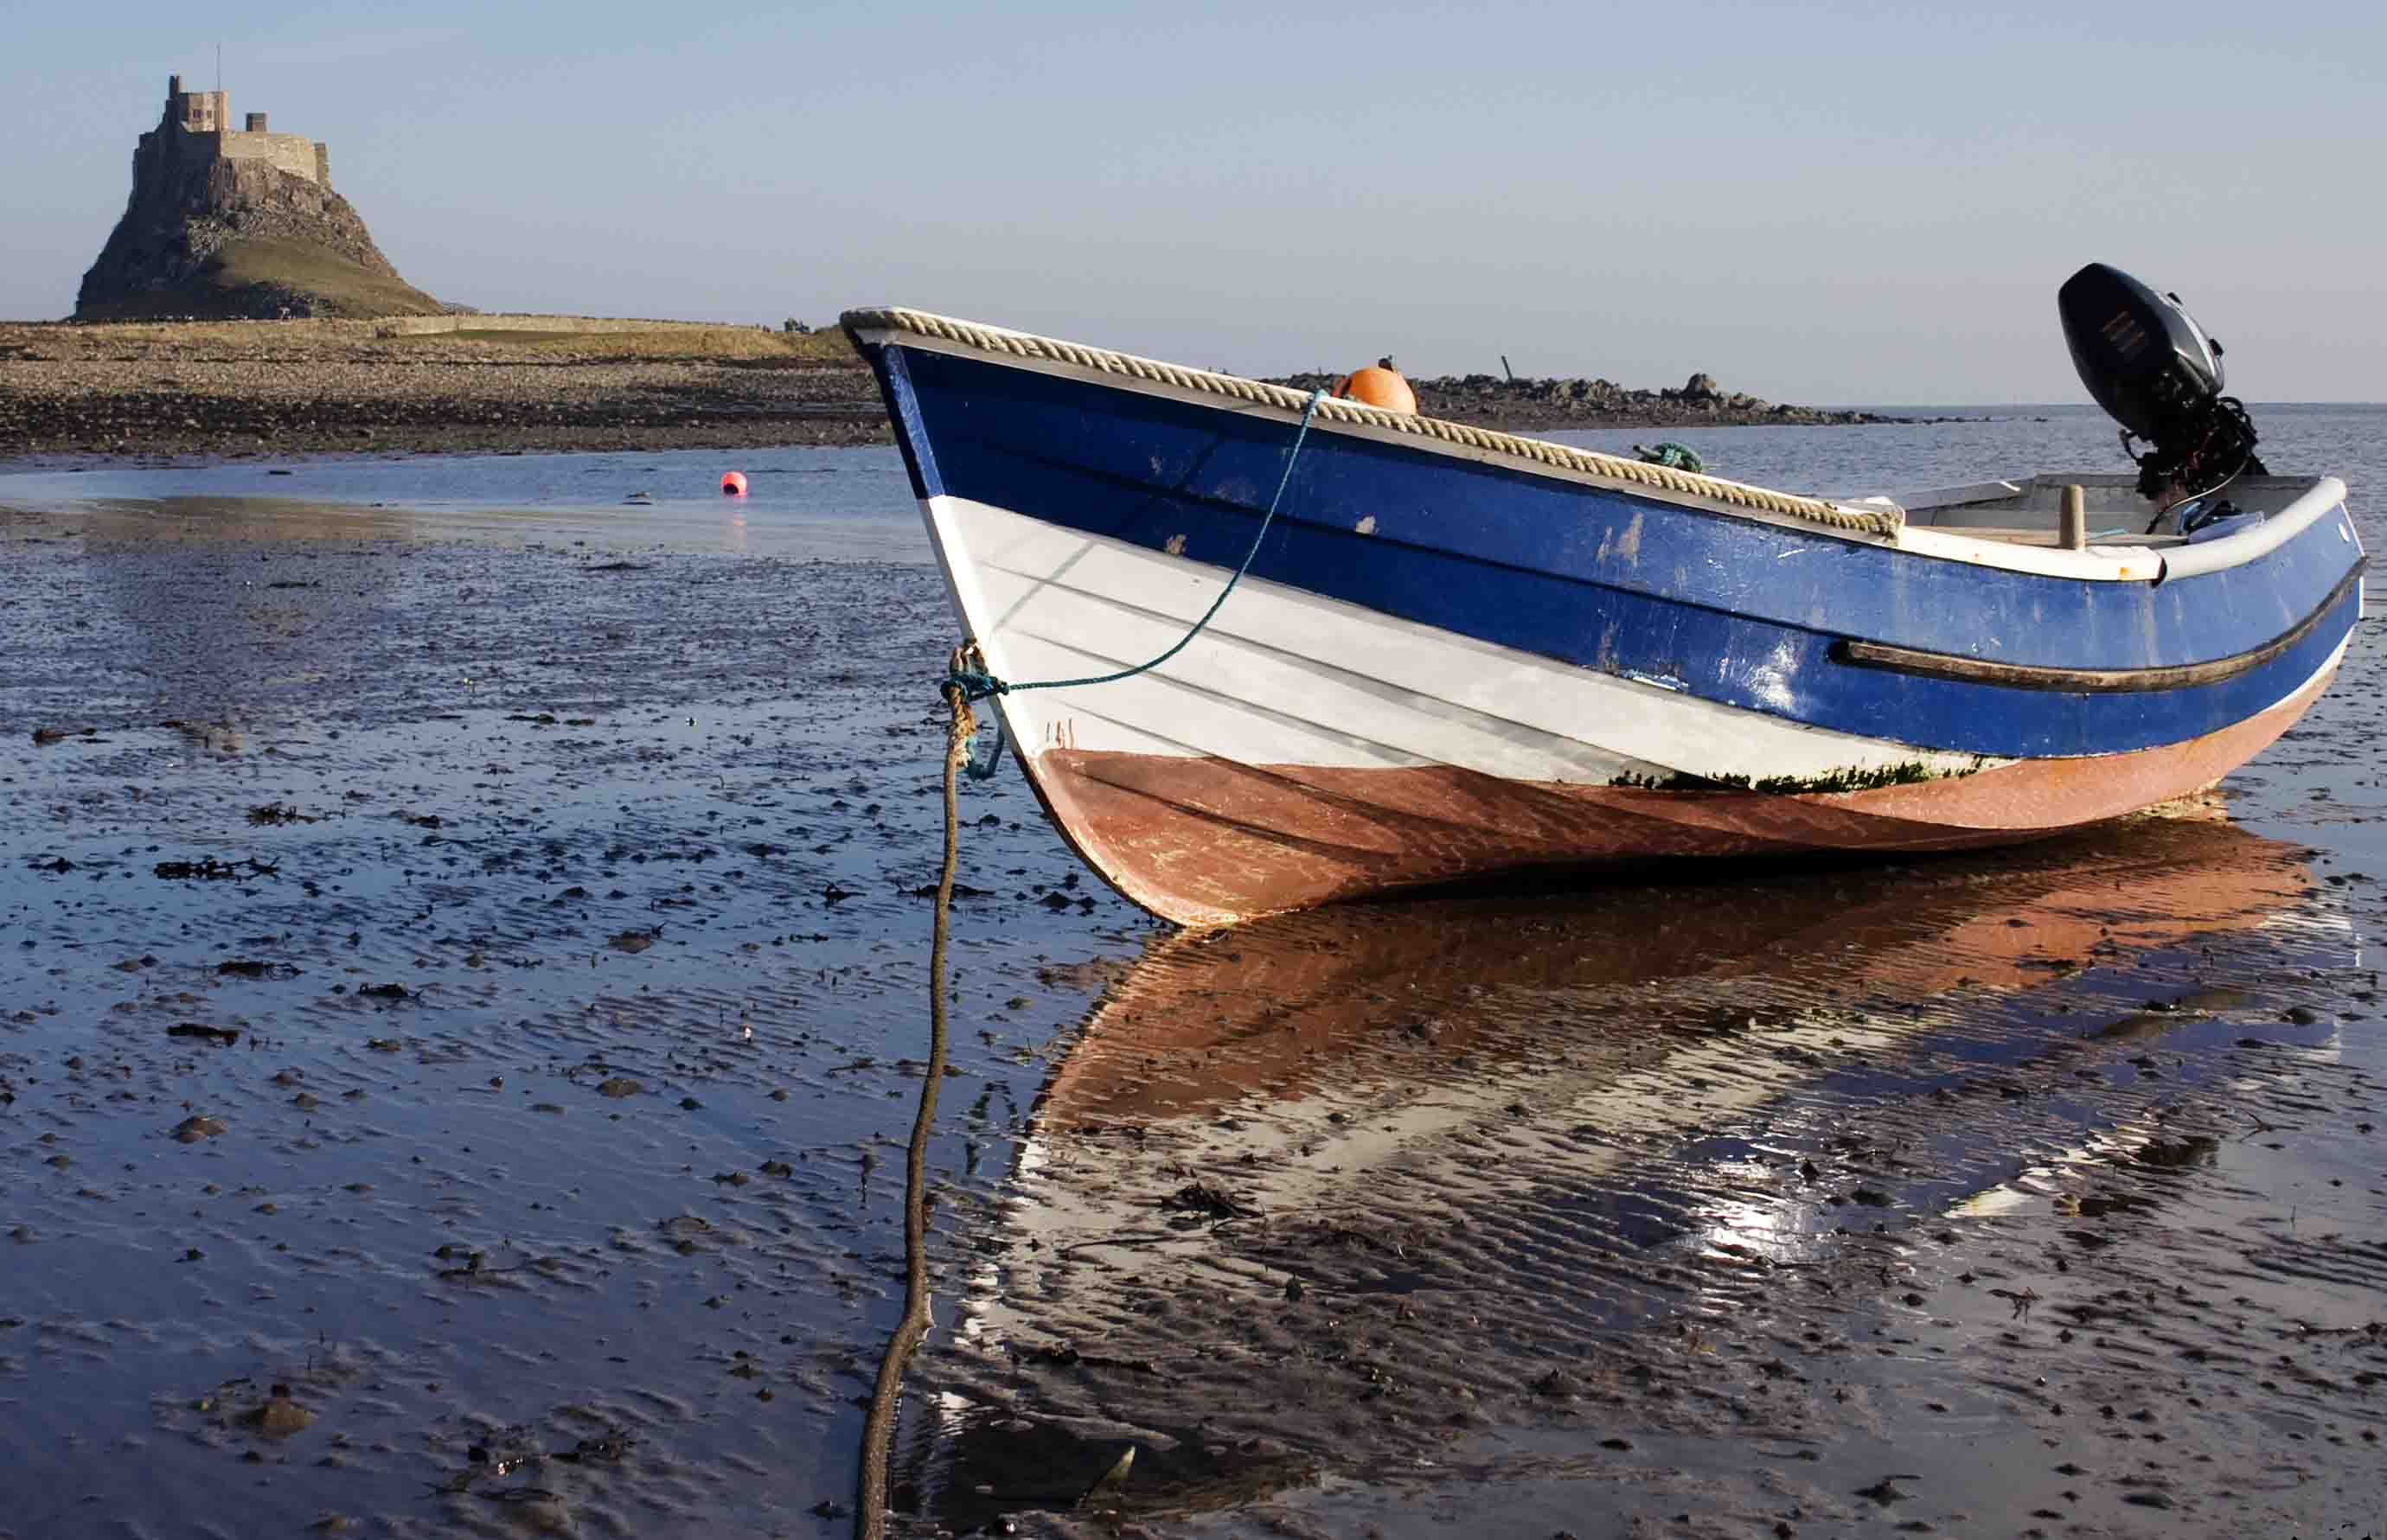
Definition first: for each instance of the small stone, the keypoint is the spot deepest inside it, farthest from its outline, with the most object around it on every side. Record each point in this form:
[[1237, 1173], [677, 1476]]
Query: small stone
[[281, 1416]]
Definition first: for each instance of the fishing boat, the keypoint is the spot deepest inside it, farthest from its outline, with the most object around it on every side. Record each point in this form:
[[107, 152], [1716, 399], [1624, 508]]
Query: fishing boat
[[1448, 654]]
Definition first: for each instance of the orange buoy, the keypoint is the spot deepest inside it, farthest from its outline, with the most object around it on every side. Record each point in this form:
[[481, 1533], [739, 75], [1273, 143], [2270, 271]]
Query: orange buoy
[[733, 484], [1380, 384]]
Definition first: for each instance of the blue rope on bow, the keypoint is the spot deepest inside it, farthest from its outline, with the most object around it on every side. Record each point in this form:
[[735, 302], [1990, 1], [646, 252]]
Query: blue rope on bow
[[977, 686]]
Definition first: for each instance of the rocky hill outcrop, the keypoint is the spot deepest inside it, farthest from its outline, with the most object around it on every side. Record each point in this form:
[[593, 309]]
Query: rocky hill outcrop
[[212, 237]]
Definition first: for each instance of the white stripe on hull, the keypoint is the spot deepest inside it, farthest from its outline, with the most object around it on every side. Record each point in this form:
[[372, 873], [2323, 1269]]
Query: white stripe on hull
[[1322, 683]]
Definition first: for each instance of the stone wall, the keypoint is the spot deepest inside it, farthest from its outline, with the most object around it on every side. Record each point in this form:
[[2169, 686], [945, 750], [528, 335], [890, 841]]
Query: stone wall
[[283, 152], [429, 325]]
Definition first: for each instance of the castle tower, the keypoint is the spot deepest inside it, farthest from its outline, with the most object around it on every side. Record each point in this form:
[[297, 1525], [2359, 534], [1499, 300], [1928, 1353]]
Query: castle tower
[[201, 123], [198, 111]]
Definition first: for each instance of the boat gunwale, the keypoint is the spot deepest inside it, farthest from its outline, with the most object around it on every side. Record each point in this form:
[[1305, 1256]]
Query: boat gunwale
[[2109, 563], [884, 337]]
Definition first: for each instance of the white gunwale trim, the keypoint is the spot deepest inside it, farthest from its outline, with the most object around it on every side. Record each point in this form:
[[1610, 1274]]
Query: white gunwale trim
[[2326, 496], [2096, 564], [2118, 563]]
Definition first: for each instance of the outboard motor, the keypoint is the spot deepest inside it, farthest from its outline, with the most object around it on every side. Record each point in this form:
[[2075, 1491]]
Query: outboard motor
[[2156, 372]]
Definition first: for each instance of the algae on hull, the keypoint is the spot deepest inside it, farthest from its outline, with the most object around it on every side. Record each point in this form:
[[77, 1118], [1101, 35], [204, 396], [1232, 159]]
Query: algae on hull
[[1847, 778]]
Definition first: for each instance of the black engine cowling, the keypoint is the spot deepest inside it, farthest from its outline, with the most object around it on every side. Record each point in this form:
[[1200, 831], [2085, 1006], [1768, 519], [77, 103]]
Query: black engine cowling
[[2154, 371]]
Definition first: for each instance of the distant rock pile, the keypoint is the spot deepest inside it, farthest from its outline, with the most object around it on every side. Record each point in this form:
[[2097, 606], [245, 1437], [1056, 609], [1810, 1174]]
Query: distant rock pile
[[1526, 405], [208, 236]]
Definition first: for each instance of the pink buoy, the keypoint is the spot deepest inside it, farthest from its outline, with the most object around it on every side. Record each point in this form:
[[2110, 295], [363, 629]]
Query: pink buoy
[[733, 484]]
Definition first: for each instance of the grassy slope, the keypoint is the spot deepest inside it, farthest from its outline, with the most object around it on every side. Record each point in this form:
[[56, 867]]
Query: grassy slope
[[344, 287], [293, 264]]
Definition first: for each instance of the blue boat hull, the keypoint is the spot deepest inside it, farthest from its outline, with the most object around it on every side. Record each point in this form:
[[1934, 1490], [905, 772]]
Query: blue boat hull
[[1777, 645]]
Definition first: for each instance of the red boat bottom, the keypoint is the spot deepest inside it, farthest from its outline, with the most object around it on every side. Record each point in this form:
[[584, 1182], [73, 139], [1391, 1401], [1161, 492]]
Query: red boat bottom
[[1208, 841]]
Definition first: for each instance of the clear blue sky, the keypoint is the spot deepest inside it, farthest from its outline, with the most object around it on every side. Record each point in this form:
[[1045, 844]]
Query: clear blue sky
[[1829, 202]]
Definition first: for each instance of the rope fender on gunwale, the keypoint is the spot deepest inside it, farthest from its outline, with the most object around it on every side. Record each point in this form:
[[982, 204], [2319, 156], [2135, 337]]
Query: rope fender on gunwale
[[1885, 521]]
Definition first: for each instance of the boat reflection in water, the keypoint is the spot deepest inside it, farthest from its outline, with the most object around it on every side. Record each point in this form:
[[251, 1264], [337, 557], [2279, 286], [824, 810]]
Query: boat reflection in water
[[1308, 1192]]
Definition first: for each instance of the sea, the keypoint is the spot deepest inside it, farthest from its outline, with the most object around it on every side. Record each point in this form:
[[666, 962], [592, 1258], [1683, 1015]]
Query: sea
[[463, 998]]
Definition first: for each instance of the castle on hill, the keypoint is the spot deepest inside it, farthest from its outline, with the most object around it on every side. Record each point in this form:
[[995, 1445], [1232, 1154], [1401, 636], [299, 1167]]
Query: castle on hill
[[226, 222], [202, 120]]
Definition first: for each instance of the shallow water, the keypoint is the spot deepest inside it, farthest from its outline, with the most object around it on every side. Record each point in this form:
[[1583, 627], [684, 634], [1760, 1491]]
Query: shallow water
[[557, 862], [847, 503]]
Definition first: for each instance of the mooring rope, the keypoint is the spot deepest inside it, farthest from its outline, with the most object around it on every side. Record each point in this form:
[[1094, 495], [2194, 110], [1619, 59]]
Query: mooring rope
[[878, 1429], [977, 684], [967, 682]]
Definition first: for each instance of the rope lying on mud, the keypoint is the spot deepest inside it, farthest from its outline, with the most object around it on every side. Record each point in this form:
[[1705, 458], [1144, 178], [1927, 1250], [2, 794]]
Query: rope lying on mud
[[975, 683], [1024, 345], [878, 1429]]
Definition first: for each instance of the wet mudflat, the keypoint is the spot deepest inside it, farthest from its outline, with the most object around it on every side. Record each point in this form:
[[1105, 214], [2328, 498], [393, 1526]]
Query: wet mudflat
[[467, 977], [471, 985]]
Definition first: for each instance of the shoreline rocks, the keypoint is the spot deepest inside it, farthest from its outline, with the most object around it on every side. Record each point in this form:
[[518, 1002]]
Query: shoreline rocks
[[1527, 405], [242, 389], [312, 387]]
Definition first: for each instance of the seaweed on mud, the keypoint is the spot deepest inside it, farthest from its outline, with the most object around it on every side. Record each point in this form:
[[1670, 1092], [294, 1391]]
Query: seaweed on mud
[[210, 869], [1206, 1201], [254, 967]]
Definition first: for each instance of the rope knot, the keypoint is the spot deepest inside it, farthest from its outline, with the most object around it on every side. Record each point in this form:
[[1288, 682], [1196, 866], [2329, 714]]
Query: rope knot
[[976, 685]]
